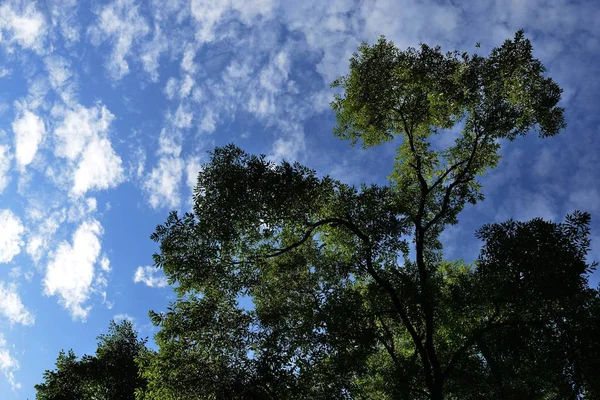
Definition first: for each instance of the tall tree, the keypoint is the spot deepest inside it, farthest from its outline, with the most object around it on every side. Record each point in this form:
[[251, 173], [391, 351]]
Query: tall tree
[[111, 374], [295, 286]]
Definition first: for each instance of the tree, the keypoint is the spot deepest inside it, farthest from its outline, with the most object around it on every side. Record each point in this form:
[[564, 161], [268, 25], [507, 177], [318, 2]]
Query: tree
[[111, 374], [334, 313], [295, 286], [65, 383]]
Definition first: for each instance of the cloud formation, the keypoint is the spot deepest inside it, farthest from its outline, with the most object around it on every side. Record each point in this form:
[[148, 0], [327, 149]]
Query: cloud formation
[[150, 276], [11, 306], [11, 235], [121, 23], [8, 364], [5, 161], [29, 132], [72, 267], [24, 26], [162, 183], [82, 138]]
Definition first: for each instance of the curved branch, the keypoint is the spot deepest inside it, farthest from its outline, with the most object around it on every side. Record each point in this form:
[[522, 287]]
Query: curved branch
[[457, 181], [307, 235], [477, 337], [384, 283]]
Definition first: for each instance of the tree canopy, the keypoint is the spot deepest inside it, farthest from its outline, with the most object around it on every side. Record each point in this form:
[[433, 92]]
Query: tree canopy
[[111, 374], [293, 285]]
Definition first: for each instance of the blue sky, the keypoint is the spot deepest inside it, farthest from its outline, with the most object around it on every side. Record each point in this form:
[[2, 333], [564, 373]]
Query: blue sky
[[107, 110]]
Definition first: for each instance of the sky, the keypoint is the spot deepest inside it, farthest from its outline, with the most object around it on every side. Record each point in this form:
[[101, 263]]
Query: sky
[[108, 109]]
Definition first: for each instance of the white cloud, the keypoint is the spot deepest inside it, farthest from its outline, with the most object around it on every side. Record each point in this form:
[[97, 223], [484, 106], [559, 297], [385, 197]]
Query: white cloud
[[274, 76], [121, 23], [150, 276], [15, 273], [81, 208], [209, 121], [288, 147], [105, 264], [61, 78], [162, 183], [26, 27], [78, 127], [99, 168], [82, 138], [151, 52], [71, 269], [5, 160], [182, 118], [29, 132], [37, 91], [11, 306], [192, 168], [59, 70], [8, 364], [187, 62], [46, 224], [186, 87], [209, 13], [137, 163], [11, 235], [169, 143], [123, 317], [63, 14], [170, 88]]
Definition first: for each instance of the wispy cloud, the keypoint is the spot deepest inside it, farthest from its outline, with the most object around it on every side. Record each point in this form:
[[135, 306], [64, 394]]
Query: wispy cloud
[[121, 23], [150, 276], [8, 364], [163, 182], [24, 26], [5, 161], [11, 235], [11, 306], [123, 317]]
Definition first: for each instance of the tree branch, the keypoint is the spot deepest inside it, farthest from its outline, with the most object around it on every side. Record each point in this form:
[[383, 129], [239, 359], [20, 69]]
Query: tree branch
[[477, 337], [307, 235], [457, 181]]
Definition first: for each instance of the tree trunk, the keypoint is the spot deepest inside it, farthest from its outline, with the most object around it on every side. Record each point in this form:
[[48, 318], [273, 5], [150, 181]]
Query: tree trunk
[[437, 391]]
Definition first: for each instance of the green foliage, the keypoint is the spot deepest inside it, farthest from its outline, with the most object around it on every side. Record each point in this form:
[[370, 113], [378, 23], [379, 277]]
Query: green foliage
[[418, 94], [295, 286], [64, 383], [111, 374], [330, 297]]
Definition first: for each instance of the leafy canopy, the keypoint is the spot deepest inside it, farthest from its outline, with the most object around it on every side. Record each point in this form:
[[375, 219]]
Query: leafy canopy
[[296, 286], [292, 285], [111, 374]]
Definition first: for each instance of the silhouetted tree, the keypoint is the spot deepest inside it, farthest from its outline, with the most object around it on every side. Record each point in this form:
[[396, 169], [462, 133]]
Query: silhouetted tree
[[111, 374], [340, 307]]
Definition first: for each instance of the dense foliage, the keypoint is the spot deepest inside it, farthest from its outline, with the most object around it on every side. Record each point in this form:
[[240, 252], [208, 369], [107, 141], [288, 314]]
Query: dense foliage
[[111, 374], [295, 286]]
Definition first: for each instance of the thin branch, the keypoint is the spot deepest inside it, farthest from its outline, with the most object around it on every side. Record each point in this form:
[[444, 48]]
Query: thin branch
[[445, 174], [391, 349], [458, 180], [494, 368], [417, 168], [478, 336], [384, 283], [307, 235]]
